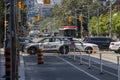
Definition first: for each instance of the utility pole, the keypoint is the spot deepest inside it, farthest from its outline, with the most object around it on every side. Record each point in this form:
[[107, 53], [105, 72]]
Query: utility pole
[[98, 22], [89, 31], [110, 28], [81, 25], [12, 30]]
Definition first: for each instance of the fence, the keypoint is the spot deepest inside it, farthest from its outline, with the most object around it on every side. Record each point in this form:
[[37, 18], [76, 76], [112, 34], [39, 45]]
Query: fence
[[97, 62]]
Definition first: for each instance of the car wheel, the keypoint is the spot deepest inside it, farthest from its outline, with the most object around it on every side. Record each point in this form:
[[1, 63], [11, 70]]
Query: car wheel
[[64, 50], [116, 51], [88, 50], [22, 48], [119, 50], [32, 50]]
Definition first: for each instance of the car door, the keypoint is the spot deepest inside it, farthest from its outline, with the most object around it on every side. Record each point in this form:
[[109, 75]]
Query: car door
[[55, 43], [45, 43], [79, 45]]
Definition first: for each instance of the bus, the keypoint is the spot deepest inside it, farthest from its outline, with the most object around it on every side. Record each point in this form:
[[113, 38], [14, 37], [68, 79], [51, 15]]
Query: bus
[[68, 31]]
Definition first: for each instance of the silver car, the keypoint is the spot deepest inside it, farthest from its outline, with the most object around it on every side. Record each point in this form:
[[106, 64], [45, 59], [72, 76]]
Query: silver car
[[58, 44], [79, 45]]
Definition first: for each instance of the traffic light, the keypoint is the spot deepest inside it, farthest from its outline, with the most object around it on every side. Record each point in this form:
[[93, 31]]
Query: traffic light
[[47, 1], [5, 23], [80, 18], [22, 5], [39, 17], [34, 19], [69, 18], [19, 4]]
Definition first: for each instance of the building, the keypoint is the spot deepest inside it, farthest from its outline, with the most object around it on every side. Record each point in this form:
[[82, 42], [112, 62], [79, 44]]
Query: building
[[35, 7]]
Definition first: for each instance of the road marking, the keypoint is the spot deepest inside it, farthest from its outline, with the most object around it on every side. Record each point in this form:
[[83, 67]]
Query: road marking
[[78, 68]]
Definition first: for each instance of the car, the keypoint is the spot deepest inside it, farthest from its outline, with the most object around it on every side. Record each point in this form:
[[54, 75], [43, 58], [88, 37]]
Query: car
[[23, 41], [49, 44], [79, 45], [102, 42], [75, 44], [115, 46]]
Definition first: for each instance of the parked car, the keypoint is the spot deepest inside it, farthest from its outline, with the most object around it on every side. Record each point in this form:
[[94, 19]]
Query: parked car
[[49, 44], [115, 46], [79, 45], [23, 41], [102, 42]]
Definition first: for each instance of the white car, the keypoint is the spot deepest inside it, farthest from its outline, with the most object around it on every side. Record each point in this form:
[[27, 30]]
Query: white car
[[49, 44], [115, 46], [81, 46], [89, 47]]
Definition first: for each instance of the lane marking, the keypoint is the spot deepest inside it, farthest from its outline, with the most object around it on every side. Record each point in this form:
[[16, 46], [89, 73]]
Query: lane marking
[[78, 68]]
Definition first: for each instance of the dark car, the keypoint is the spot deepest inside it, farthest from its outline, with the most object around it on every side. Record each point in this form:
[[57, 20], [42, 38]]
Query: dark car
[[102, 42]]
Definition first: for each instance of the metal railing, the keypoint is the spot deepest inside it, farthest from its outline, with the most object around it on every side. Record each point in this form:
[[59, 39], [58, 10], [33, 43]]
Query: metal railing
[[88, 59]]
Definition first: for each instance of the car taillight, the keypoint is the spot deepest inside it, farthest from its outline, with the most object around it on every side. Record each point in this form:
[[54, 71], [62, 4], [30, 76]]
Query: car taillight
[[112, 43], [73, 43]]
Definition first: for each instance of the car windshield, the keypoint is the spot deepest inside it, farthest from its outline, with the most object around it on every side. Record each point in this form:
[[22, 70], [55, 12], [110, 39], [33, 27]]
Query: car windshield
[[25, 40]]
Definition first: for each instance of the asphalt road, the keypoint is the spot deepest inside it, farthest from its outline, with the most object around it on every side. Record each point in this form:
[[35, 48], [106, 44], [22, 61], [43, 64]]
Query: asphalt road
[[59, 67]]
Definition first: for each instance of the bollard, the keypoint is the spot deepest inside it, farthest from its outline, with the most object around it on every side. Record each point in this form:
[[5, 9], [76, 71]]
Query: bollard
[[80, 58], [69, 53], [40, 57], [118, 64], [64, 50], [89, 63], [74, 57], [7, 64], [101, 68]]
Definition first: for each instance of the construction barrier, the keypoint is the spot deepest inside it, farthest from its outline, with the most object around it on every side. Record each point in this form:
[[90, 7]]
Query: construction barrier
[[7, 64], [40, 56]]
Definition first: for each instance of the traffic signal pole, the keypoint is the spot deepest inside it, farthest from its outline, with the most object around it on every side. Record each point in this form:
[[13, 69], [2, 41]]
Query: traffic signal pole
[[12, 29]]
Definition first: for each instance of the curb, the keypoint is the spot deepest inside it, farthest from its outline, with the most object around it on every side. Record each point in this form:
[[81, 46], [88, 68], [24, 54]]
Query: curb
[[21, 68]]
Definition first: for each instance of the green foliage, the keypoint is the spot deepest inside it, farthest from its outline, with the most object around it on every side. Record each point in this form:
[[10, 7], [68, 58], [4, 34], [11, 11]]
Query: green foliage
[[68, 8], [104, 23]]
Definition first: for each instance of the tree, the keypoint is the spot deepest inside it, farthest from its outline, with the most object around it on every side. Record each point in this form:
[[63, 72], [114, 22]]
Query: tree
[[104, 23], [75, 7]]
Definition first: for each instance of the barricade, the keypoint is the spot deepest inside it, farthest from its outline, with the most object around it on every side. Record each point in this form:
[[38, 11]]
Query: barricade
[[40, 56], [7, 64]]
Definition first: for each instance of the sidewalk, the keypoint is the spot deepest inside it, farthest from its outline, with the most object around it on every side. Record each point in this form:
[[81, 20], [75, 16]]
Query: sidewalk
[[2, 66]]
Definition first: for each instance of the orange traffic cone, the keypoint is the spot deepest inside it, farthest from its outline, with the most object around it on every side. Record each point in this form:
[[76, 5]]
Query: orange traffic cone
[[93, 51], [40, 57], [7, 64]]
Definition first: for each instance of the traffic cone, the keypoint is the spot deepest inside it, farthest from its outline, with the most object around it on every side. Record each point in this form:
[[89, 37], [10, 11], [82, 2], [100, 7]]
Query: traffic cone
[[93, 51], [7, 64], [40, 57]]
